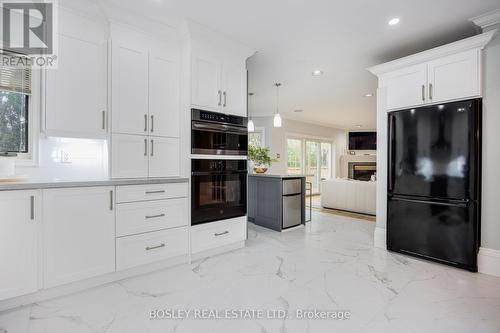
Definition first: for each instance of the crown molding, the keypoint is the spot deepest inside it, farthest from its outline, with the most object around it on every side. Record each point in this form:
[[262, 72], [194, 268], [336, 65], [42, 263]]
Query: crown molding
[[474, 42], [487, 20]]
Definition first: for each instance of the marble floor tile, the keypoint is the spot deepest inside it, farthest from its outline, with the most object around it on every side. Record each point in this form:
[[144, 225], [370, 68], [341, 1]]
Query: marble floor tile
[[329, 265]]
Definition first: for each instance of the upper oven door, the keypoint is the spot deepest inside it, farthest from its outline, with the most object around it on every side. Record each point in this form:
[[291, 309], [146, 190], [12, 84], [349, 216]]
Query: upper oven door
[[218, 139]]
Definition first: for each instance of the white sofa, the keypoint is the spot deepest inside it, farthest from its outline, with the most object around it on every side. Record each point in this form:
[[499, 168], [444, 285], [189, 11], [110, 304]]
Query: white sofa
[[351, 195]]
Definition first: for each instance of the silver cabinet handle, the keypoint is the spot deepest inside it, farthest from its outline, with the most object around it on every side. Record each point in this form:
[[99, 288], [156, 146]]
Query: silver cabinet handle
[[220, 98], [430, 91], [225, 99], [111, 200], [149, 248], [103, 119], [32, 207], [152, 123], [155, 192], [145, 147], [423, 92], [145, 123], [152, 147], [154, 216], [221, 233]]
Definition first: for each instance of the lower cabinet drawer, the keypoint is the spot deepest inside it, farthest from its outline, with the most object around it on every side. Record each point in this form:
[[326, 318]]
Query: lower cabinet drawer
[[154, 246], [130, 193], [215, 234], [139, 217]]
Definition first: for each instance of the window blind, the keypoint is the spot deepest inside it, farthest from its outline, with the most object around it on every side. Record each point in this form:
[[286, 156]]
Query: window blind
[[13, 75]]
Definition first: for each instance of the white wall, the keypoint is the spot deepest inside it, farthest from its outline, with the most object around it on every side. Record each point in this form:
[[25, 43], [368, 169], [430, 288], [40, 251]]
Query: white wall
[[276, 139], [490, 224]]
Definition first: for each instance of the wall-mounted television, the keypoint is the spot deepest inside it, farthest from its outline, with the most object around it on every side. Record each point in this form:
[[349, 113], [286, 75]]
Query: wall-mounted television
[[362, 140]]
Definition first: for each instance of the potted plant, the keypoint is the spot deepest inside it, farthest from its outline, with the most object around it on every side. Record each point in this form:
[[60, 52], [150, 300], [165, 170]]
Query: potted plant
[[260, 158]]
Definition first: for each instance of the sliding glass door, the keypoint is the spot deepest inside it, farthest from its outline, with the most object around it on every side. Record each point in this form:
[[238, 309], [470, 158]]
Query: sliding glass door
[[311, 157]]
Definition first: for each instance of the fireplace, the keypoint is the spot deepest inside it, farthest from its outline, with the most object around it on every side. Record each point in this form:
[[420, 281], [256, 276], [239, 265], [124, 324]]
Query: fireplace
[[362, 170]]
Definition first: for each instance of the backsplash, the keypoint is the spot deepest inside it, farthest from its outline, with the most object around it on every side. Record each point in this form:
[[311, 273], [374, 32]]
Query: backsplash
[[67, 158]]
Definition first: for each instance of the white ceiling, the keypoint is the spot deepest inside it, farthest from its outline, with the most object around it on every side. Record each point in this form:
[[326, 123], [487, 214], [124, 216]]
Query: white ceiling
[[342, 38]]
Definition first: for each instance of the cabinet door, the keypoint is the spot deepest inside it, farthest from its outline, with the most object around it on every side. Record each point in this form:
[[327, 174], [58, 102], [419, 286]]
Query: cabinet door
[[164, 157], [76, 90], [19, 243], [79, 234], [129, 88], [205, 81], [234, 89], [406, 87], [164, 97], [453, 77], [129, 156]]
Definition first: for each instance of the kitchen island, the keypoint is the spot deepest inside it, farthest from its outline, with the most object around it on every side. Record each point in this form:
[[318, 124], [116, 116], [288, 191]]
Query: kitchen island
[[276, 201]]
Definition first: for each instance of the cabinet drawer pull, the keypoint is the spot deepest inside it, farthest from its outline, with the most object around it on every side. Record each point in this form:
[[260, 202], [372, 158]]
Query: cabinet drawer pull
[[154, 216], [221, 233], [155, 192], [149, 248], [32, 207]]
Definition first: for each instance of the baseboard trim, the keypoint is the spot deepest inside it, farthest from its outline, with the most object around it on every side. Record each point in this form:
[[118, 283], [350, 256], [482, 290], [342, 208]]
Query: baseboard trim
[[380, 238], [488, 261]]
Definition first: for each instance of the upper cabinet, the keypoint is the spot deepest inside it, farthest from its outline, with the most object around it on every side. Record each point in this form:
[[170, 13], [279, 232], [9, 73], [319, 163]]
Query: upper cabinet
[[218, 73], [145, 80], [447, 73], [76, 101], [454, 77]]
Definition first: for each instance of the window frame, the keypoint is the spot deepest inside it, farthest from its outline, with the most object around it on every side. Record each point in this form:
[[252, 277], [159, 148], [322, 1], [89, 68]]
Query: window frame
[[262, 132]]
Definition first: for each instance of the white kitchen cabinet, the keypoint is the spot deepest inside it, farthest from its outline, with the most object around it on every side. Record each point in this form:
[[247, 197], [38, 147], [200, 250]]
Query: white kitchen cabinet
[[78, 233], [19, 242], [455, 76], [76, 90], [164, 157], [164, 103], [406, 87], [129, 87], [129, 156], [234, 92], [206, 91]]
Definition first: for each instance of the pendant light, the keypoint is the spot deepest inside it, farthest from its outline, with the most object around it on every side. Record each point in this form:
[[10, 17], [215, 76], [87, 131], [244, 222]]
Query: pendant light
[[277, 118], [250, 125]]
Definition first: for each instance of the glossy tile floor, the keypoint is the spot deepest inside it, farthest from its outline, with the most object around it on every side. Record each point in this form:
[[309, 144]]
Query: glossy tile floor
[[330, 265]]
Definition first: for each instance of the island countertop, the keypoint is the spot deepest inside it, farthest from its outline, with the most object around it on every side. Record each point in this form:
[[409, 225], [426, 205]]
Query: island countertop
[[66, 183], [271, 175]]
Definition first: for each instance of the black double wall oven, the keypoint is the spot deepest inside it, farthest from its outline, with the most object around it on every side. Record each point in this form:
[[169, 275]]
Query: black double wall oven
[[219, 144]]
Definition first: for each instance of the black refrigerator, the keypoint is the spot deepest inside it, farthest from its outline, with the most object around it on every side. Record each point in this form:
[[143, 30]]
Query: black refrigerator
[[434, 182]]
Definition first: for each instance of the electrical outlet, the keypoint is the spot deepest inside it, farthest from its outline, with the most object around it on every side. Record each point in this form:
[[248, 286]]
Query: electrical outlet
[[65, 157], [278, 155]]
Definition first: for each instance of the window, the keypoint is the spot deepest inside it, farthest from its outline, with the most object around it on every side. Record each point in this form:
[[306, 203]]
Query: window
[[294, 156], [15, 91], [257, 137], [312, 157]]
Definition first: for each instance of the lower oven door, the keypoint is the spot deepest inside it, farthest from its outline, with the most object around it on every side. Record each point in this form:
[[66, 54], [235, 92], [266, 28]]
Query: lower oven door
[[218, 196]]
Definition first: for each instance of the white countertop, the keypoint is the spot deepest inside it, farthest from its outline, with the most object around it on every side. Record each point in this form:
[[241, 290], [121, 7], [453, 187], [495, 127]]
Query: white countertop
[[33, 184], [271, 175]]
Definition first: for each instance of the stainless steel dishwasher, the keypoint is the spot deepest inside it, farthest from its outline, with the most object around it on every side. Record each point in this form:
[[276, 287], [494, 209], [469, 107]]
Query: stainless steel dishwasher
[[292, 202]]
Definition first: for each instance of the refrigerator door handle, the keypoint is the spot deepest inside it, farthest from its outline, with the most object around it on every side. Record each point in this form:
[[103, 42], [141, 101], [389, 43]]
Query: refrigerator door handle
[[392, 144], [464, 203]]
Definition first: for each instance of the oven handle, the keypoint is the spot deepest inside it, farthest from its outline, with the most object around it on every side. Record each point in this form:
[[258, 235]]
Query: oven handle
[[219, 128], [208, 173]]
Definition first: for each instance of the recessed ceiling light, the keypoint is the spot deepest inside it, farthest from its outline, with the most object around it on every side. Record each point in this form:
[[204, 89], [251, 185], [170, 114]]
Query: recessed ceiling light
[[394, 21], [298, 110], [369, 95], [317, 72], [359, 126]]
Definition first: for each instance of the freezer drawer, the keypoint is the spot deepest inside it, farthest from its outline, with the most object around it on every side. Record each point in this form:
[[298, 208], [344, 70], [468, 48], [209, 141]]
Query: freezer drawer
[[443, 232], [292, 186], [292, 210]]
